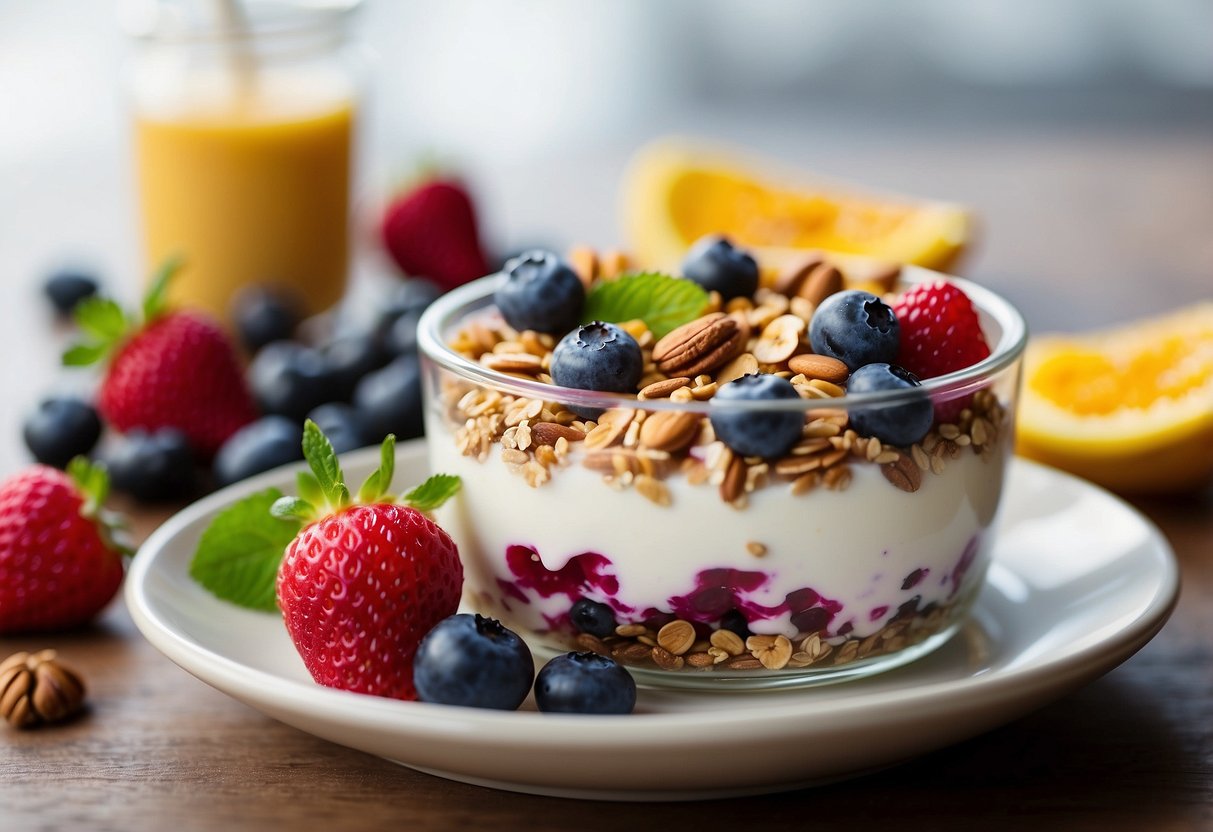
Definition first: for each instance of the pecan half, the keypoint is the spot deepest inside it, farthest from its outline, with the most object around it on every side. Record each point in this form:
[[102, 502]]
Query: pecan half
[[701, 346]]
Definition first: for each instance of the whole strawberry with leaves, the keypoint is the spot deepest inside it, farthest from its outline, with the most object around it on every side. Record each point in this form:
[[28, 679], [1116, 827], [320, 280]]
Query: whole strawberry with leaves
[[360, 579], [431, 231], [164, 368], [59, 561]]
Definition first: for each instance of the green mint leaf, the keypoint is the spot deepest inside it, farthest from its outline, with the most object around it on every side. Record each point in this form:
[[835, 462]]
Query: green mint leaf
[[238, 555], [82, 355], [292, 508], [661, 301], [380, 480], [156, 300], [101, 319], [309, 488], [433, 492], [319, 453], [93, 482]]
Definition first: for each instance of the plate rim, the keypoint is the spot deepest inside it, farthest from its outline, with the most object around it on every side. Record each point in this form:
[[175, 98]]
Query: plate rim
[[1056, 672]]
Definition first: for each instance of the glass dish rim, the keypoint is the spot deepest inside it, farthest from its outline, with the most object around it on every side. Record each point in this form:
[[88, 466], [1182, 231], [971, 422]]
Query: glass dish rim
[[458, 302]]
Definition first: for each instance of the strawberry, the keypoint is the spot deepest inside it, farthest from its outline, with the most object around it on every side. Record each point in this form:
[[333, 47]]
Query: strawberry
[[59, 564], [167, 369], [940, 332], [431, 231], [363, 579]]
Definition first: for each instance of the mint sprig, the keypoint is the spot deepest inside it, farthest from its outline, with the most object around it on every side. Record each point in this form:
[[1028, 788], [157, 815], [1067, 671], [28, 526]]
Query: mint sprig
[[662, 302], [238, 555]]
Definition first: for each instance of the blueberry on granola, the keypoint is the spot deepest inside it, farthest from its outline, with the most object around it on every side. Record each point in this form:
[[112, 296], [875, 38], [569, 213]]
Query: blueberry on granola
[[598, 356], [902, 424], [584, 683], [593, 618], [717, 265], [855, 327], [540, 292], [768, 433]]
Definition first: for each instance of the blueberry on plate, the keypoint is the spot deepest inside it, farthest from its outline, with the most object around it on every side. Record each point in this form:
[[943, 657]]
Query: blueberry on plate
[[401, 336], [289, 379], [901, 425], [855, 327], [65, 289], [61, 428], [717, 265], [584, 683], [765, 433], [598, 356], [473, 661], [348, 358], [152, 466], [263, 314], [539, 291], [258, 446], [344, 426], [593, 618], [389, 400]]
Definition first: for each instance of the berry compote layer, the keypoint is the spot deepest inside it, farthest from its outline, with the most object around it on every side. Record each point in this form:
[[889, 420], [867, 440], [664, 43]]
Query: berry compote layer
[[677, 530]]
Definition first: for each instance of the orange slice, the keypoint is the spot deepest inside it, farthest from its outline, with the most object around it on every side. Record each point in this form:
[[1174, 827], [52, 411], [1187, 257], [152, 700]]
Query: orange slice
[[674, 193], [1130, 408]]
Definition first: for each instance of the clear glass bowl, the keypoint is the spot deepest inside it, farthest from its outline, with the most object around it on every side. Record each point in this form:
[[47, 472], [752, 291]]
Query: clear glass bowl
[[843, 558]]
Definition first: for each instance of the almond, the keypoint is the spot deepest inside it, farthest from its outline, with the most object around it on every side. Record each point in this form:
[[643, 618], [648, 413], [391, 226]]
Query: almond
[[662, 389], [791, 280], [700, 346], [733, 485], [903, 473], [669, 430], [822, 282], [819, 366], [546, 433], [611, 426]]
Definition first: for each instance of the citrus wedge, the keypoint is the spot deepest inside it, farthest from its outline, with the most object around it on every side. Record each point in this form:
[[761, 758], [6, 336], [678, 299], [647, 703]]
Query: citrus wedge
[[1130, 408], [675, 192]]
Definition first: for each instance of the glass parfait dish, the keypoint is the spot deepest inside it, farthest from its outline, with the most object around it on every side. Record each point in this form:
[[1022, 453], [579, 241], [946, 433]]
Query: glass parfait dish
[[639, 534]]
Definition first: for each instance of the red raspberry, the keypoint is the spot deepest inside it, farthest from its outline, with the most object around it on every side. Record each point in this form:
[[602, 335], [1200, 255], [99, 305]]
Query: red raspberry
[[940, 332]]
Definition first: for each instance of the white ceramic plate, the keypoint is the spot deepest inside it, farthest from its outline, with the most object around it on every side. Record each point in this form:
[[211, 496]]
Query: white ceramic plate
[[1079, 582]]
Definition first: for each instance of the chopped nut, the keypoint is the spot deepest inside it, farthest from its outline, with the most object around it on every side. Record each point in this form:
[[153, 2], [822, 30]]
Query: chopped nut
[[728, 641], [630, 630], [773, 651], [665, 659], [677, 636], [756, 549], [743, 365], [779, 339]]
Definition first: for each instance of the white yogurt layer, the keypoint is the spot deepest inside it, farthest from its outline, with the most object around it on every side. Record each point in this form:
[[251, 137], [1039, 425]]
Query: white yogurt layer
[[856, 547]]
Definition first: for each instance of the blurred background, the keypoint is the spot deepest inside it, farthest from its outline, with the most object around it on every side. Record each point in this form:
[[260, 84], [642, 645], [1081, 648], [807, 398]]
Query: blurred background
[[1031, 111]]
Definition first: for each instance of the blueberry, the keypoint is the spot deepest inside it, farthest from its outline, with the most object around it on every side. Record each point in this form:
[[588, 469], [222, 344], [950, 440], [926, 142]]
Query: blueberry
[[290, 379], [344, 426], [259, 446], [61, 428], [598, 356], [389, 400], [152, 467], [263, 314], [540, 292], [584, 683], [65, 289], [473, 661], [593, 618], [901, 424], [348, 358], [762, 433], [855, 327], [401, 337], [735, 622], [715, 264], [412, 294]]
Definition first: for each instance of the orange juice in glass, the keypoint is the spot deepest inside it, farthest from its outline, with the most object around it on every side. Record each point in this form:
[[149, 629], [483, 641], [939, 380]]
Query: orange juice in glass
[[244, 148]]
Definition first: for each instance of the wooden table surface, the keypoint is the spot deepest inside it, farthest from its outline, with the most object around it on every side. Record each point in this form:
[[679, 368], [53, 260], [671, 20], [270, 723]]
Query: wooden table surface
[[1134, 750]]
